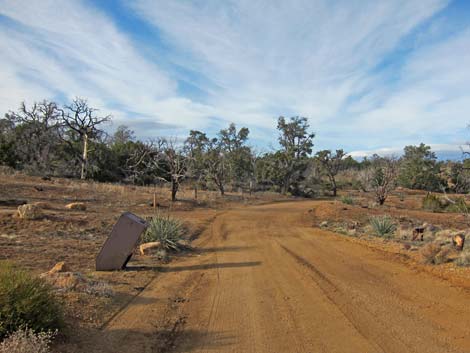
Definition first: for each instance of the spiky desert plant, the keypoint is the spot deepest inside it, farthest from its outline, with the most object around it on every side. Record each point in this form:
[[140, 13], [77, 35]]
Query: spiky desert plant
[[383, 226], [166, 230]]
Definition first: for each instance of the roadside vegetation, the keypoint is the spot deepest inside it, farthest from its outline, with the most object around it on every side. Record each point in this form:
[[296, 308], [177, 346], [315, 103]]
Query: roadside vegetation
[[81, 177], [383, 226], [69, 140], [26, 302], [165, 230]]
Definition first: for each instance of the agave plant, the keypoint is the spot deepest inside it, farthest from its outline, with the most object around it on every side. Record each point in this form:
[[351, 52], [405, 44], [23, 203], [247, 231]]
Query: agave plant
[[164, 229], [383, 226]]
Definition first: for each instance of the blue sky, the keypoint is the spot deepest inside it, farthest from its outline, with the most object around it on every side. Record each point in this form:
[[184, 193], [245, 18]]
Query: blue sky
[[371, 76]]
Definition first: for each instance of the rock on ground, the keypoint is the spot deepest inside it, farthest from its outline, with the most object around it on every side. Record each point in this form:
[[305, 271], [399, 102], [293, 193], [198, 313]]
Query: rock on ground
[[77, 206]]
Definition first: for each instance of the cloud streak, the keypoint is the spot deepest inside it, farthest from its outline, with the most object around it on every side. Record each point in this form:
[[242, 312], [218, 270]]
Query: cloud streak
[[368, 74]]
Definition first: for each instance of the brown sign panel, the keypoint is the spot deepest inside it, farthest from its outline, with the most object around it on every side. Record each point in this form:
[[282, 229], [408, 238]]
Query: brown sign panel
[[117, 250]]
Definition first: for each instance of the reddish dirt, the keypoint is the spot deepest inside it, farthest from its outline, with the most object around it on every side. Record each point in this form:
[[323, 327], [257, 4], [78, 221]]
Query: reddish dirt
[[262, 278]]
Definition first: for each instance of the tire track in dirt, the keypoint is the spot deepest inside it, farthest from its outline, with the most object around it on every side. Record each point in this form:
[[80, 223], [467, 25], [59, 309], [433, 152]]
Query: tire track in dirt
[[264, 282], [332, 292]]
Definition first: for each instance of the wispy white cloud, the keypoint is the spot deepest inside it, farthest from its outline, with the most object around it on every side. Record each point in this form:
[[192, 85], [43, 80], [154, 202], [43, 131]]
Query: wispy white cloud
[[441, 149], [304, 57], [252, 61], [66, 48]]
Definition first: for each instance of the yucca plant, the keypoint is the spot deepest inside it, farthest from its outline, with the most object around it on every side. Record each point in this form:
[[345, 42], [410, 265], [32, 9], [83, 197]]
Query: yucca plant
[[383, 226], [164, 229]]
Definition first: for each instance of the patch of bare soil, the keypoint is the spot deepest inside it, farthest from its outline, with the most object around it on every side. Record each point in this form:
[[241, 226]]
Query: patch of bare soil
[[262, 276], [75, 235], [264, 280]]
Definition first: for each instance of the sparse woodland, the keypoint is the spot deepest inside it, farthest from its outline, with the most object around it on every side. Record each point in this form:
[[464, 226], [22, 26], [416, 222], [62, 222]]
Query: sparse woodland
[[47, 139], [414, 205]]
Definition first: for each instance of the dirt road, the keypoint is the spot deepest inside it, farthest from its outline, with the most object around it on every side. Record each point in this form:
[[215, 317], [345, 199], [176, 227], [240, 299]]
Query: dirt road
[[264, 280]]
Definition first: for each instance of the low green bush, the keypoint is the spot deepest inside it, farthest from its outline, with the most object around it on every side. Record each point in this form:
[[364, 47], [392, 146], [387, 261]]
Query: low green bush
[[26, 302], [348, 200], [164, 229], [383, 226]]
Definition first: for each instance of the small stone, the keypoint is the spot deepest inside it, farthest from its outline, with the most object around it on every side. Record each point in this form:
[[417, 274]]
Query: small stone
[[77, 206], [146, 248], [59, 267], [459, 241], [324, 224]]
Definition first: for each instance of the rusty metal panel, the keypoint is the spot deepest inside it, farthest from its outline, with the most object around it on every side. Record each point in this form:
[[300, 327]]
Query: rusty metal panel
[[118, 248]]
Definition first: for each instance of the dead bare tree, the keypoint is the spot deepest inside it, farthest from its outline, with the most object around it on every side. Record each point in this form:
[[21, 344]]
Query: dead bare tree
[[81, 119], [164, 160], [384, 177], [140, 161], [174, 165]]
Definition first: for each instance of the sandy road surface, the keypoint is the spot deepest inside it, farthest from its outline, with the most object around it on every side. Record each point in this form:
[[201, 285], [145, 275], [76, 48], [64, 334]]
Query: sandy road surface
[[266, 281]]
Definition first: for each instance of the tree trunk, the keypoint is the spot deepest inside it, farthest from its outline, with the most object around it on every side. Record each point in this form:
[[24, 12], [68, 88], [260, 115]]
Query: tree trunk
[[174, 189], [285, 187], [335, 187], [222, 190], [195, 192], [84, 157]]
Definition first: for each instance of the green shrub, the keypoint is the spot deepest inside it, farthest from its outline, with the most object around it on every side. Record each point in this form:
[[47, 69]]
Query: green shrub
[[348, 200], [27, 341], [26, 302], [166, 230], [383, 226], [432, 203]]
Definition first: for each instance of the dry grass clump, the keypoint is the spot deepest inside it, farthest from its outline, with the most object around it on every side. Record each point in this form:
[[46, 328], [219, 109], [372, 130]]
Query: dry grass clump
[[435, 254], [27, 341], [432, 203], [347, 200], [464, 258], [29, 211]]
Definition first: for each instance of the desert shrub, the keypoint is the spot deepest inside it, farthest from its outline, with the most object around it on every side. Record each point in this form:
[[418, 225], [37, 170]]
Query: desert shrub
[[383, 226], [29, 211], [26, 301], [27, 341], [166, 230], [435, 254], [432, 203], [348, 200], [464, 258], [458, 206]]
